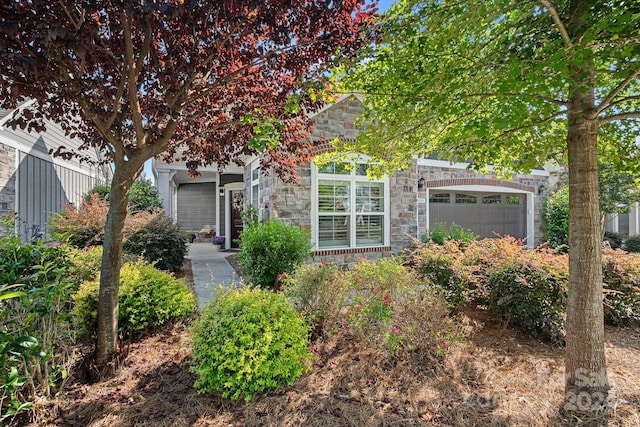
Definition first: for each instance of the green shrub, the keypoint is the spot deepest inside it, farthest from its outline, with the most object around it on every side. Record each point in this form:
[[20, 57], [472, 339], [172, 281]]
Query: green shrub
[[615, 239], [442, 267], [148, 297], [318, 292], [441, 233], [101, 190], [87, 263], [555, 215], [271, 248], [35, 327], [632, 244], [621, 277], [531, 296], [161, 241], [144, 196], [248, 341], [482, 257]]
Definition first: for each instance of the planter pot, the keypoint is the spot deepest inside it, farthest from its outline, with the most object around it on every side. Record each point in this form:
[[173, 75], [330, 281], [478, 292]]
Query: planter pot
[[217, 246]]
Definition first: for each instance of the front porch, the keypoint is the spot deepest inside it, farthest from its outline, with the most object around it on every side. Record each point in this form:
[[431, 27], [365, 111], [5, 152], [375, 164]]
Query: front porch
[[203, 205]]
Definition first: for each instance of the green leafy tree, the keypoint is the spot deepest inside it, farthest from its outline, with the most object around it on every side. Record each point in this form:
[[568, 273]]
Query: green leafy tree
[[556, 218], [198, 81], [513, 84], [144, 196]]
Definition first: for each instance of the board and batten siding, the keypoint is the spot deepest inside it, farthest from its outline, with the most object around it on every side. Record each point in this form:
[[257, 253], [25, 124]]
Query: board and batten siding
[[197, 206], [43, 188]]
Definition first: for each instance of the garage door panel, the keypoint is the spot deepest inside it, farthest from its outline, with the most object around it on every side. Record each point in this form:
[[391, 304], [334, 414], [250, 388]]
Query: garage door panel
[[502, 216], [196, 206]]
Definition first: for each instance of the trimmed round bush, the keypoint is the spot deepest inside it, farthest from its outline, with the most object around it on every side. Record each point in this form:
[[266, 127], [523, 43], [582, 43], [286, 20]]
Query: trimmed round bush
[[271, 248], [148, 297], [248, 341], [161, 241]]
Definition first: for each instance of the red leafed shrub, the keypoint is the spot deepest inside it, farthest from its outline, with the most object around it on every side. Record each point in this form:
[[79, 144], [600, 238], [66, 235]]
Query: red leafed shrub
[[84, 226]]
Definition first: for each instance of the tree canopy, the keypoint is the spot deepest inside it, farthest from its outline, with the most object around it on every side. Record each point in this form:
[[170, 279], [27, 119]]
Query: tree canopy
[[490, 81]]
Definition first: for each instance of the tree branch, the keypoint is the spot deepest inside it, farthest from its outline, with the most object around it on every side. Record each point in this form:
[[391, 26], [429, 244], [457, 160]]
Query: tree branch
[[618, 117], [623, 84], [515, 95], [622, 100], [528, 126], [77, 24], [558, 22], [116, 102], [132, 79]]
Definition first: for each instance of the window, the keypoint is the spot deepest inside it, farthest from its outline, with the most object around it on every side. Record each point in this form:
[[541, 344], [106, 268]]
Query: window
[[466, 198], [440, 198], [494, 199], [351, 209], [513, 200], [255, 187]]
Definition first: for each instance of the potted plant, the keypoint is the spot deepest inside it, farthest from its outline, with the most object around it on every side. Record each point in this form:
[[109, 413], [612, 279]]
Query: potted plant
[[217, 241]]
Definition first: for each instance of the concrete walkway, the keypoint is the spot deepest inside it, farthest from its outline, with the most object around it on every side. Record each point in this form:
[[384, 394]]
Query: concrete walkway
[[210, 269]]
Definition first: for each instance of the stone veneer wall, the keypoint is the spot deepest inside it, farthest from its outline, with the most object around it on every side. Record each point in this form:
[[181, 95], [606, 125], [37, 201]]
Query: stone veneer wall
[[7, 179]]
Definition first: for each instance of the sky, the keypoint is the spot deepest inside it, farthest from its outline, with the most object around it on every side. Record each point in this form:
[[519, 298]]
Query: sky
[[383, 5]]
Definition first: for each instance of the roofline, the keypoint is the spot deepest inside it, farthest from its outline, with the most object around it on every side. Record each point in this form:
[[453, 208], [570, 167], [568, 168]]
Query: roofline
[[358, 95]]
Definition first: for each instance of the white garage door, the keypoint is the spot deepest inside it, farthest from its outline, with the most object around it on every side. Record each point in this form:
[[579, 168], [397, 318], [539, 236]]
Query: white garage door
[[486, 214]]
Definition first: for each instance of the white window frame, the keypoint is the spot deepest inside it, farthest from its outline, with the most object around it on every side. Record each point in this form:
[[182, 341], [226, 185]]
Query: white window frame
[[352, 178], [255, 183]]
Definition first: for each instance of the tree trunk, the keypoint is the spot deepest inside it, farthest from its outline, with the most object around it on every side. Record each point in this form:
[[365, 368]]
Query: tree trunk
[[107, 333], [586, 384]]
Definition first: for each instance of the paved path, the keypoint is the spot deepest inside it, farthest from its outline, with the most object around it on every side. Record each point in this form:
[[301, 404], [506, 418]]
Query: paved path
[[210, 268]]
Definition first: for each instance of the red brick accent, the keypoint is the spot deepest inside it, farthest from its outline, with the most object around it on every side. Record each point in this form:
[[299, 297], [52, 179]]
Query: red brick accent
[[329, 252], [324, 146], [478, 181]]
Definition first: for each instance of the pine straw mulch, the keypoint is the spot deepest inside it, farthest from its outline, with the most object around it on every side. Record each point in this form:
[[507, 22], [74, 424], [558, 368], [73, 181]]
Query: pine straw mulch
[[497, 378]]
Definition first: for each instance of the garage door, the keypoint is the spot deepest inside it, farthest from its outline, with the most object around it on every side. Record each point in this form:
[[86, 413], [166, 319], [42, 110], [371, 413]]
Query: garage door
[[486, 214], [196, 206]]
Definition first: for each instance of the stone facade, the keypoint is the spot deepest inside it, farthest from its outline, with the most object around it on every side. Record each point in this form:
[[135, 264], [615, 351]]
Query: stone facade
[[7, 179]]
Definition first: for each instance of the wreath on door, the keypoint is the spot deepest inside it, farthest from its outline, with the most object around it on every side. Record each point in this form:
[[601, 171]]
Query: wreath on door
[[238, 201]]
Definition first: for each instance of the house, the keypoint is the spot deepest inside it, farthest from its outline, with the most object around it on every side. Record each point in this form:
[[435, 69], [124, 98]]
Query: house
[[348, 215], [34, 184]]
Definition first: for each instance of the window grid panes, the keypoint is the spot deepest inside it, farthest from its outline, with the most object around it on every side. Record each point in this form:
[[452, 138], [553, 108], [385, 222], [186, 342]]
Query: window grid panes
[[493, 199], [333, 196], [351, 209], [440, 198], [513, 200], [255, 187], [333, 231], [466, 198], [369, 230]]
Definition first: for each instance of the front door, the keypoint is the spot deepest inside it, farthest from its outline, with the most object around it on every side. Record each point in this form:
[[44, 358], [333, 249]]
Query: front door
[[237, 203]]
